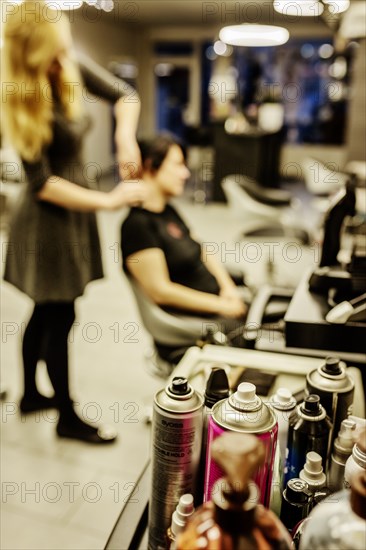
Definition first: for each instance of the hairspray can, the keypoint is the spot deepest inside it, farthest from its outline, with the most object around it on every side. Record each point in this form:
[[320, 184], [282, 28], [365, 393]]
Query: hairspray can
[[243, 412], [217, 388], [176, 448], [309, 429], [283, 403], [356, 463], [296, 502], [335, 388]]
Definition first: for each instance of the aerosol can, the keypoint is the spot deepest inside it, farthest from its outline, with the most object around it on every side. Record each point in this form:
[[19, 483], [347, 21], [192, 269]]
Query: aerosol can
[[176, 448], [309, 430], [217, 388], [243, 412], [335, 388], [342, 450]]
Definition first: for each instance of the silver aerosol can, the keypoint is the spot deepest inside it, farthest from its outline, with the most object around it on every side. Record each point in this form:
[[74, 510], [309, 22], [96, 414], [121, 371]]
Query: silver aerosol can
[[342, 450], [356, 463], [282, 403], [176, 448], [335, 388]]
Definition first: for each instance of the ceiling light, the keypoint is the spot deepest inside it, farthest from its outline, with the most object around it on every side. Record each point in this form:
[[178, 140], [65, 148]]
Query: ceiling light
[[337, 6], [254, 35], [300, 8]]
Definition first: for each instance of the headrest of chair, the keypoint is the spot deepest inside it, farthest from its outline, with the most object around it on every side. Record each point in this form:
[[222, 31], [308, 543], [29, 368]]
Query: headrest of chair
[[270, 197]]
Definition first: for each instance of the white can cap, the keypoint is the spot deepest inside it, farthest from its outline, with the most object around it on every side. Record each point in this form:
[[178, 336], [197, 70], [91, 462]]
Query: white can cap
[[246, 393], [313, 471]]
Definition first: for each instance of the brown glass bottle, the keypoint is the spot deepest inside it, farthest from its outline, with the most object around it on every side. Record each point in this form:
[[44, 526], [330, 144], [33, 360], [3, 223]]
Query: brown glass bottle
[[233, 520]]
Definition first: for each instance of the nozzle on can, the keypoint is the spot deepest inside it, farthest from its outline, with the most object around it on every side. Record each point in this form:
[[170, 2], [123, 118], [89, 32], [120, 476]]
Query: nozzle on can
[[311, 405], [312, 472], [179, 386]]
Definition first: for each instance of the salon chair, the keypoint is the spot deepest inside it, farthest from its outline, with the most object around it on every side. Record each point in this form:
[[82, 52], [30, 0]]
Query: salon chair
[[322, 182], [268, 213], [320, 179], [173, 334]]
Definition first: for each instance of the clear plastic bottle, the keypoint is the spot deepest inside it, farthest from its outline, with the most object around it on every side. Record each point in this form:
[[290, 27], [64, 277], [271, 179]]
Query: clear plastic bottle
[[233, 520], [338, 523]]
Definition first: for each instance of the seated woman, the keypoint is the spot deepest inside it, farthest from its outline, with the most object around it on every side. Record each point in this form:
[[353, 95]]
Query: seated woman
[[161, 254]]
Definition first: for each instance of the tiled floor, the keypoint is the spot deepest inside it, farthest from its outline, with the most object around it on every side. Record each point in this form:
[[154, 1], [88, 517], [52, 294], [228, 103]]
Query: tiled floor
[[67, 495]]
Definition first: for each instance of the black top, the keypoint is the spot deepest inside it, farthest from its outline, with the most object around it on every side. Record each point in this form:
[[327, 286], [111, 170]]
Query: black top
[[54, 252], [166, 230]]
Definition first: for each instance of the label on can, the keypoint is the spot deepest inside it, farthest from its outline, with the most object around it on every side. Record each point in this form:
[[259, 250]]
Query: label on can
[[176, 448]]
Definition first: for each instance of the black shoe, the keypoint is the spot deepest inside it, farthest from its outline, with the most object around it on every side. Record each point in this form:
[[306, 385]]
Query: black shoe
[[37, 403], [84, 432]]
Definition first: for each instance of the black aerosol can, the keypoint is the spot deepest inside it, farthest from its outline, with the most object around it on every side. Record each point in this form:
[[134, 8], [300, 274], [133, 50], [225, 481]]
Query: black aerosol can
[[217, 388], [335, 388], [309, 430], [296, 502], [176, 448]]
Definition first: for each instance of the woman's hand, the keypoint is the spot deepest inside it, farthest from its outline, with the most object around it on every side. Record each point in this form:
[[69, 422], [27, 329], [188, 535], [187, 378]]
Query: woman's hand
[[127, 193], [232, 307], [229, 291]]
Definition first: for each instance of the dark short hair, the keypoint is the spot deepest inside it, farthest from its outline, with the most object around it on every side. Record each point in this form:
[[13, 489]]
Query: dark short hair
[[154, 151]]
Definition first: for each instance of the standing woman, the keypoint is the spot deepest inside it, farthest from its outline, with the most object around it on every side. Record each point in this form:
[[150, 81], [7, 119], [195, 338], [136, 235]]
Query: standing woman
[[54, 249]]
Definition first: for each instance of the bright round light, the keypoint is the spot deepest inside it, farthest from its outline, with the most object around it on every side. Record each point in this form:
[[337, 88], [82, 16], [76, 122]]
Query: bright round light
[[300, 8], [326, 51], [337, 6], [254, 35], [339, 68], [220, 47], [307, 51]]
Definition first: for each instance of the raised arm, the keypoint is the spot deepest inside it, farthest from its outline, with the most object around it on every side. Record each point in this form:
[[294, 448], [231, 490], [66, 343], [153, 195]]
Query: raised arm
[[127, 105]]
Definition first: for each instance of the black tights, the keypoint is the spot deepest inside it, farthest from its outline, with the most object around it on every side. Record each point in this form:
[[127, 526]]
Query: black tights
[[46, 338]]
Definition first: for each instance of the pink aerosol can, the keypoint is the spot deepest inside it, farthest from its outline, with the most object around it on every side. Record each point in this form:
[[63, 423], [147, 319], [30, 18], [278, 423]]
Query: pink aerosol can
[[243, 412]]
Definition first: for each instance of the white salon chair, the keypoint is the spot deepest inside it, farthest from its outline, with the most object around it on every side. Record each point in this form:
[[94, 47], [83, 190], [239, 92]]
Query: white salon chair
[[267, 213]]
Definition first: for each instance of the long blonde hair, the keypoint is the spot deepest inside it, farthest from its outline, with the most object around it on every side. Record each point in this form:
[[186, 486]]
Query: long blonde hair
[[34, 36]]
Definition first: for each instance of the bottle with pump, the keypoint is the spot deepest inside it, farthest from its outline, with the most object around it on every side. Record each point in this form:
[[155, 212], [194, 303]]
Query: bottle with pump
[[313, 473], [339, 522], [342, 450], [180, 517], [233, 520]]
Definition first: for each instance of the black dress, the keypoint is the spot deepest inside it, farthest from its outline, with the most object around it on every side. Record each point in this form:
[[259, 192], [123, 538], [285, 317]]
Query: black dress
[[53, 252]]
